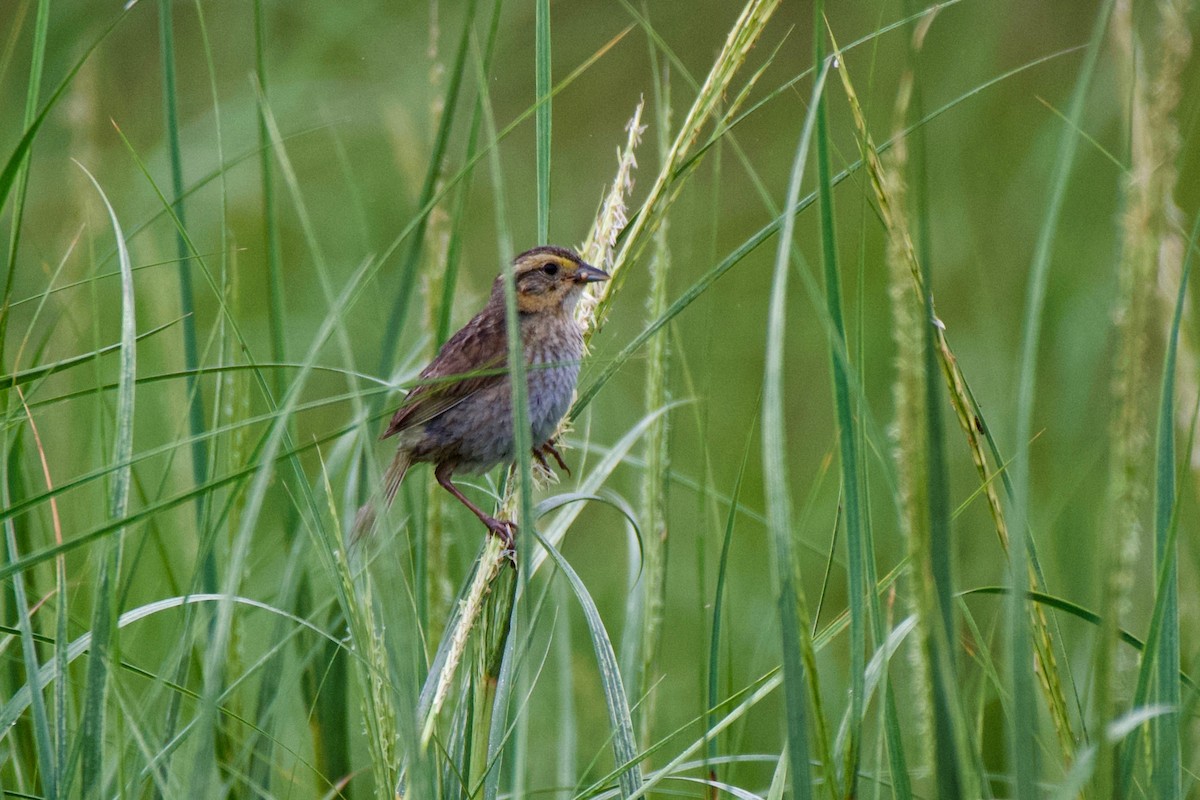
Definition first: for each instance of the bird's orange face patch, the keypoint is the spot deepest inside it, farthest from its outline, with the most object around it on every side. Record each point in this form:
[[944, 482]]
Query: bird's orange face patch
[[544, 280]]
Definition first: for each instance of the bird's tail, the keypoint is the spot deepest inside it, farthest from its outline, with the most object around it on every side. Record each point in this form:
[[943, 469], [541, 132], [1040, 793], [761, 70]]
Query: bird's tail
[[364, 520]]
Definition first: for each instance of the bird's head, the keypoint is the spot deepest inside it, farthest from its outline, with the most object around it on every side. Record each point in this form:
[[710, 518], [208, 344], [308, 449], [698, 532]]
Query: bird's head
[[549, 279]]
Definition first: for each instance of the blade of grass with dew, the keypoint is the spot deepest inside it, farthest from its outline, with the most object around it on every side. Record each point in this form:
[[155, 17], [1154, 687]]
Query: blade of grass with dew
[[199, 444], [54, 763], [218, 294], [1023, 753], [105, 614], [62, 611], [796, 644]]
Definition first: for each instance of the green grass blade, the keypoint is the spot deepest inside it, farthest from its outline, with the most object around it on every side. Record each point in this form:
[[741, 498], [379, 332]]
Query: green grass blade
[[789, 592], [1158, 676], [751, 243], [187, 304], [1024, 753], [12, 167], [276, 310], [624, 746], [430, 195], [50, 763], [1088, 616], [847, 429], [37, 373], [519, 503], [542, 86], [105, 613], [1166, 772], [714, 642], [459, 222], [37, 63]]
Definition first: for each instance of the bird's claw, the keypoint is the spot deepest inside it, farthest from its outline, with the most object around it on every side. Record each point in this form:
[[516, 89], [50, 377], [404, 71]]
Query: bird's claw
[[505, 531], [540, 454]]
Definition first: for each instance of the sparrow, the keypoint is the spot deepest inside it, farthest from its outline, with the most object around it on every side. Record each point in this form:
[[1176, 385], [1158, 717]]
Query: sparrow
[[459, 416]]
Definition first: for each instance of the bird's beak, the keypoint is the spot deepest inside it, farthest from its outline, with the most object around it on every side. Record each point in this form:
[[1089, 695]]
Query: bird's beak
[[589, 274]]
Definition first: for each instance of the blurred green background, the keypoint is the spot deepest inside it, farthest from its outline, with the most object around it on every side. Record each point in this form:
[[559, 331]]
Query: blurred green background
[[355, 89]]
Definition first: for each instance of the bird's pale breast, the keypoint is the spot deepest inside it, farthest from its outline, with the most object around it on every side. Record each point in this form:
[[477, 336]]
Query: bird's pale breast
[[477, 432]]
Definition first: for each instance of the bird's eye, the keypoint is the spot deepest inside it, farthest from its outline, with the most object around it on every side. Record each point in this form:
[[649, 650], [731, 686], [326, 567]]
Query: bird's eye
[[550, 269]]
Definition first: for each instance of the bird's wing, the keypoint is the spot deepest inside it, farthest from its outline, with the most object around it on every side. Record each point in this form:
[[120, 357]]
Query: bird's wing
[[472, 360]]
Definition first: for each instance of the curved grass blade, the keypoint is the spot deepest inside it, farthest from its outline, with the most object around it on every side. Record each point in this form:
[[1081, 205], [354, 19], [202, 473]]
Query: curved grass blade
[[21, 699], [619, 718], [104, 617], [799, 675], [1079, 612]]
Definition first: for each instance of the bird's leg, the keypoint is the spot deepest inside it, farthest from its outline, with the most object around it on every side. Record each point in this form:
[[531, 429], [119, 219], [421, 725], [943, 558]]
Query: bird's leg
[[541, 459], [549, 447], [501, 529]]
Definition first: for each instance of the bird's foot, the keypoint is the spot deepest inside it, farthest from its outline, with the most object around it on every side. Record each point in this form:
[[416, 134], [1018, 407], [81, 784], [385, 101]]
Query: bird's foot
[[541, 460], [505, 531], [549, 447]]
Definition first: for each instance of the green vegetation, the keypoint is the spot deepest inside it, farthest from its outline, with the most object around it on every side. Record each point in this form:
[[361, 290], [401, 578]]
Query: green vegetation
[[883, 461]]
